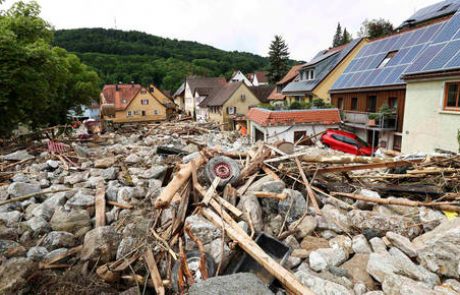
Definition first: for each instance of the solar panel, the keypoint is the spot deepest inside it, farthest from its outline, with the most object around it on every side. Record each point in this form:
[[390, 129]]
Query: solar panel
[[407, 36], [394, 76], [398, 57], [446, 54], [380, 78], [425, 57], [415, 36], [454, 62], [369, 77], [413, 52], [428, 33], [449, 30]]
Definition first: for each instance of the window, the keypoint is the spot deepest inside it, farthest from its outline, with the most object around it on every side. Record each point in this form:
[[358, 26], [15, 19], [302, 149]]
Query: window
[[451, 99], [354, 103], [340, 103], [312, 75], [393, 103], [387, 59], [156, 112], [144, 101], [298, 99], [346, 140], [143, 113], [129, 113], [243, 97], [397, 142], [371, 104], [137, 113]]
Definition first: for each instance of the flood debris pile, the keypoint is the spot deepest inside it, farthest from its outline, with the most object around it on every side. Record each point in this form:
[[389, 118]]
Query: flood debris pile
[[183, 208]]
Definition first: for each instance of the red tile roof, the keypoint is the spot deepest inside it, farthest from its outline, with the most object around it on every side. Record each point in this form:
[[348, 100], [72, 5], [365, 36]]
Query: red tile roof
[[122, 97], [265, 117], [275, 95]]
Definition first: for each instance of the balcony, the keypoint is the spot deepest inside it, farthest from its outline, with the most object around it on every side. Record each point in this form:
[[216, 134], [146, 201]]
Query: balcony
[[370, 121]]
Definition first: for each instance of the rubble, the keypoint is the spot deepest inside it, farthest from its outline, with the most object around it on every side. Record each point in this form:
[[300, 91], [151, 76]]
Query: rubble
[[127, 215]]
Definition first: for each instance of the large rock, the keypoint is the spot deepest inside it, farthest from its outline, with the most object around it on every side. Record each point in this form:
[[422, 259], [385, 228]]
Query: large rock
[[17, 189], [373, 224], [38, 225], [59, 239], [10, 248], [75, 221], [239, 283], [202, 229], [21, 155], [311, 243], [110, 173], [75, 178], [402, 243], [153, 172], [318, 285], [333, 219], [250, 204], [306, 226], [14, 274], [380, 265], [324, 258], [356, 269], [83, 198], [104, 162], [361, 245], [430, 218], [400, 285], [293, 206], [101, 243], [37, 253], [439, 249], [11, 218]]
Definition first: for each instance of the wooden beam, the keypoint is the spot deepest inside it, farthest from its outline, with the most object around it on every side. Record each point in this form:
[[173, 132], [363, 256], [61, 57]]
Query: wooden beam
[[310, 192], [154, 273], [211, 191], [365, 166], [249, 246], [237, 212], [177, 182], [276, 196], [100, 205]]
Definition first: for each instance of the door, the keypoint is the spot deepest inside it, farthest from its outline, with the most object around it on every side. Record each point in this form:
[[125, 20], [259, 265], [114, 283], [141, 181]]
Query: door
[[259, 135], [371, 104]]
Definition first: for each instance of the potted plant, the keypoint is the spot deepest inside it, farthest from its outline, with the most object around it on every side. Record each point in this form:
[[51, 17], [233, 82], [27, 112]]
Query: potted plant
[[388, 116], [372, 119]]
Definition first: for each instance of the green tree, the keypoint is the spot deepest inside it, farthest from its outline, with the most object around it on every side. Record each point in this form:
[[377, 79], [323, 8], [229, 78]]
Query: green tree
[[279, 59], [40, 83], [375, 28], [346, 37], [337, 40]]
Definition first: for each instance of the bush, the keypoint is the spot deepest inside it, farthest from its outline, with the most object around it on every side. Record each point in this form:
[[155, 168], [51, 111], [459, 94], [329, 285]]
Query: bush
[[295, 105], [266, 106]]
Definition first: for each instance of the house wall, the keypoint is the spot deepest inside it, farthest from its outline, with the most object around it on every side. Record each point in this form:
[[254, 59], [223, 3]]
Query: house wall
[[239, 76], [278, 133], [189, 100], [135, 105], [180, 102], [242, 107], [426, 126], [322, 90]]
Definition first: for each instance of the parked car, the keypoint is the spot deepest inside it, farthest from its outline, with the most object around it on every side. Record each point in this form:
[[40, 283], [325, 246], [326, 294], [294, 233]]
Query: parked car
[[346, 142]]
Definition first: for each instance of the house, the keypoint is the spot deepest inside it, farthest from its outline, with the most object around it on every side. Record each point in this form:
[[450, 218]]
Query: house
[[229, 104], [134, 103], [277, 97], [316, 77], [262, 92], [188, 96], [432, 111], [292, 125], [238, 76], [371, 92], [258, 78]]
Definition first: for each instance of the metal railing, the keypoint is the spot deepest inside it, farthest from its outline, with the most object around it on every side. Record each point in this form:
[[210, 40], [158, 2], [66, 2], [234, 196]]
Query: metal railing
[[371, 120]]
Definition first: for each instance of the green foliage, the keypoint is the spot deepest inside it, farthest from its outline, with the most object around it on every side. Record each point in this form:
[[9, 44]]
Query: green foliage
[[376, 28], [143, 58], [279, 59], [319, 103], [266, 106], [385, 109], [40, 83], [295, 105], [373, 116], [341, 38]]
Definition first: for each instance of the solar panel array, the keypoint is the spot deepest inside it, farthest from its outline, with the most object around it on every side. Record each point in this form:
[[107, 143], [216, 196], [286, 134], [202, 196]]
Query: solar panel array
[[433, 11], [443, 53], [364, 70]]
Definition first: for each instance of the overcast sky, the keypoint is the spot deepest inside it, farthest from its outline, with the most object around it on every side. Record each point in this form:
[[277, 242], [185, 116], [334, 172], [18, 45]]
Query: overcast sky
[[245, 25]]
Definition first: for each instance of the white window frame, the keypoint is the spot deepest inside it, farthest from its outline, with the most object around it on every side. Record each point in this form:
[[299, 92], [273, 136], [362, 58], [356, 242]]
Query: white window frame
[[129, 114], [144, 101]]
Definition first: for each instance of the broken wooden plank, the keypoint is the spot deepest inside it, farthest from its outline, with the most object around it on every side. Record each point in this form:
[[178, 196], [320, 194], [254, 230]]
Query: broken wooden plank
[[423, 189], [249, 246], [271, 195], [211, 191], [100, 205], [177, 182], [310, 192], [120, 205], [237, 212], [394, 164], [154, 273]]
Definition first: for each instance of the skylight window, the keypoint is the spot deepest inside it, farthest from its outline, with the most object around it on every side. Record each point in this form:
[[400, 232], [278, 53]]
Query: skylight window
[[387, 59]]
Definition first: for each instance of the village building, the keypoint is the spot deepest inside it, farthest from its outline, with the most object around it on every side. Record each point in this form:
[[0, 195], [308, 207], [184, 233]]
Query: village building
[[258, 78], [229, 105], [238, 76], [134, 103], [277, 98], [194, 90], [371, 92], [316, 77], [432, 112], [291, 126]]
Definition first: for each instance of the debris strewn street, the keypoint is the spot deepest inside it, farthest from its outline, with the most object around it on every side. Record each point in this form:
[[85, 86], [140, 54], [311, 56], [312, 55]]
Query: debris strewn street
[[182, 207]]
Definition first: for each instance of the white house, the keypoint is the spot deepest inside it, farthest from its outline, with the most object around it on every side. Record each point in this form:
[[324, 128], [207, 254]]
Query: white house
[[272, 126], [238, 76]]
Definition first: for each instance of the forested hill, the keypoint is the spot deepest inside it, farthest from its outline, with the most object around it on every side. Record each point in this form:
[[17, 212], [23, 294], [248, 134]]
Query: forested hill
[[135, 56]]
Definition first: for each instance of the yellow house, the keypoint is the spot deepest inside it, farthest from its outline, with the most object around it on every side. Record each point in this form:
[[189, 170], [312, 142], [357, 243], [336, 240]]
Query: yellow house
[[316, 77], [229, 105], [134, 103]]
